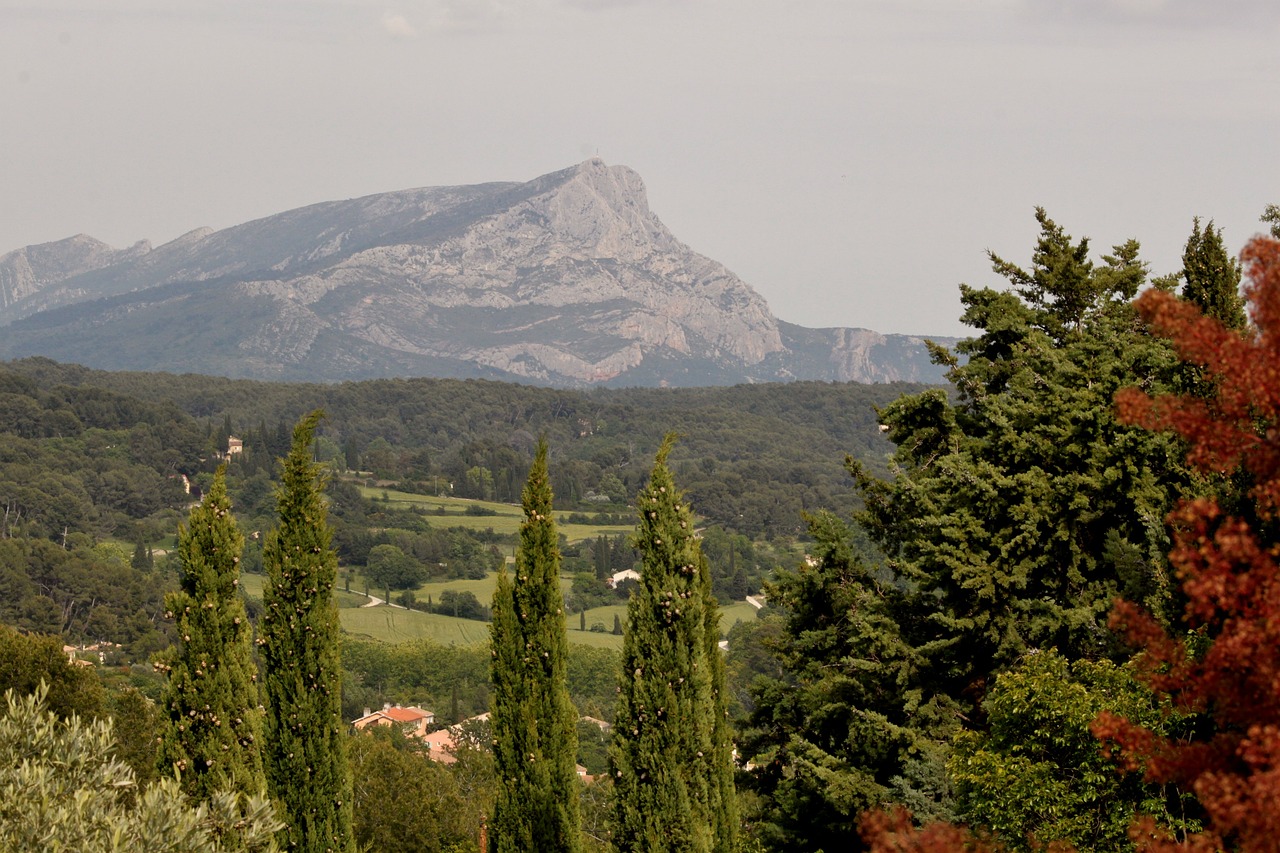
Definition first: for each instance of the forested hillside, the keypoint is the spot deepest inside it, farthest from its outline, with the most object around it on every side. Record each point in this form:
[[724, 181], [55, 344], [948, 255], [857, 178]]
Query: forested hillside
[[753, 457]]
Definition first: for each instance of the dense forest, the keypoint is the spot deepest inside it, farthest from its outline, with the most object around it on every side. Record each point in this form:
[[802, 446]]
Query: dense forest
[[1034, 607], [753, 457]]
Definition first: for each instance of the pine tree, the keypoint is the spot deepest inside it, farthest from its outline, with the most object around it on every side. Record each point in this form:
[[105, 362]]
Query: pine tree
[[1212, 277], [831, 735], [670, 756], [534, 721], [1020, 507], [213, 735], [306, 764], [1271, 216]]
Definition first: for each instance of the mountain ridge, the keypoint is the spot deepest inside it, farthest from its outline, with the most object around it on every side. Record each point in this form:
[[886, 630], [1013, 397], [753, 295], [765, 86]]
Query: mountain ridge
[[568, 279]]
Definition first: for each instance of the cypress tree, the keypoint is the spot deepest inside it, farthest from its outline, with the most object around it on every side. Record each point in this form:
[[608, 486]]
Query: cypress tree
[[1212, 276], [670, 756], [142, 559], [213, 731], [534, 722], [306, 764]]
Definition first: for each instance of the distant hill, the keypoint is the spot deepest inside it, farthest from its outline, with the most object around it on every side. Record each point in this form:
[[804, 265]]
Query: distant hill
[[566, 280]]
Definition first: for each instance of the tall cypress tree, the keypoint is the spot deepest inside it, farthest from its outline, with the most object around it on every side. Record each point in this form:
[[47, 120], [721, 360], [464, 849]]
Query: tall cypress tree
[[670, 756], [534, 721], [307, 771], [1212, 276], [213, 734]]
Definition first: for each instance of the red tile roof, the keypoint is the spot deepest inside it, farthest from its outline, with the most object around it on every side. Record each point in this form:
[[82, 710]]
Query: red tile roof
[[404, 715]]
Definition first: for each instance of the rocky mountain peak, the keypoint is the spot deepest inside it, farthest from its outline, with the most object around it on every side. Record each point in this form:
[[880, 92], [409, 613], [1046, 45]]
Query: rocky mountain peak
[[568, 279], [25, 273]]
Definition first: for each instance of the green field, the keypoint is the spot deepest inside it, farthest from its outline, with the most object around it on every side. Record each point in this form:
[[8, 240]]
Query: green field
[[505, 521], [253, 588], [394, 624], [739, 611]]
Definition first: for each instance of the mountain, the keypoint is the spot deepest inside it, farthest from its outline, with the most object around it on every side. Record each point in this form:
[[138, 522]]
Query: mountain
[[568, 279]]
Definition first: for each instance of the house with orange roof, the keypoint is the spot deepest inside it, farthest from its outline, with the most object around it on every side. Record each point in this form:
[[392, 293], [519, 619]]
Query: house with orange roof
[[413, 721]]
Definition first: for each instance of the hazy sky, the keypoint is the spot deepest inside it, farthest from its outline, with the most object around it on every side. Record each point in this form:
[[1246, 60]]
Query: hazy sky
[[851, 159]]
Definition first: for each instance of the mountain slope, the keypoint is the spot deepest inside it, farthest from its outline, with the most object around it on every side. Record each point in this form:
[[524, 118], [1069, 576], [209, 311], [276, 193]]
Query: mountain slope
[[568, 279]]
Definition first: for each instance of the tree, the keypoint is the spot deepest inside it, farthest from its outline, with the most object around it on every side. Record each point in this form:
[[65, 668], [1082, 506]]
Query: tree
[[391, 568], [1223, 669], [463, 605], [65, 790], [1212, 277], [405, 801], [27, 661], [1271, 216], [1034, 774], [1227, 665], [213, 713], [839, 722], [305, 758], [1021, 507], [142, 559], [534, 722], [670, 756]]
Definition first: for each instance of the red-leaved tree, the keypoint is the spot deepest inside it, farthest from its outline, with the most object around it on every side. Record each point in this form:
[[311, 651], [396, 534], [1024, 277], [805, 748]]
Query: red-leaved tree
[[1227, 556]]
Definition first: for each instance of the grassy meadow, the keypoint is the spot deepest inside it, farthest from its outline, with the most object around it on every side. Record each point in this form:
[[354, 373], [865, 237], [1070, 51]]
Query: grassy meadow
[[452, 512], [395, 624]]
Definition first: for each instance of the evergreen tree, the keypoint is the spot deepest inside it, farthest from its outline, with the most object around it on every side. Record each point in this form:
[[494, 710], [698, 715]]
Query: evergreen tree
[[831, 734], [305, 759], [534, 722], [142, 559], [670, 756], [1212, 277], [213, 731], [1021, 507], [1271, 216]]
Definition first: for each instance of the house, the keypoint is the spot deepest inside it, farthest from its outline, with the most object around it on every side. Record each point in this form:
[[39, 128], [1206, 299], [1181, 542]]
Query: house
[[234, 446], [624, 575], [598, 723], [413, 721], [440, 745]]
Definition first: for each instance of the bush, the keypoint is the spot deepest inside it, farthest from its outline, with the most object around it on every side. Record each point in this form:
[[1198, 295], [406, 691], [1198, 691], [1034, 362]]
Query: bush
[[67, 791]]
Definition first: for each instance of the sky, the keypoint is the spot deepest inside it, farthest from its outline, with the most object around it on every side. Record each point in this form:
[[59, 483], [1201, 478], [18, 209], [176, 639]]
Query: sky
[[852, 160]]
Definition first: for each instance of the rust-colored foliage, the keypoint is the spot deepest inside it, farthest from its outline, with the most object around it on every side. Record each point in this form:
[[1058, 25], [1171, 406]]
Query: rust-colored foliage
[[1230, 570], [891, 831]]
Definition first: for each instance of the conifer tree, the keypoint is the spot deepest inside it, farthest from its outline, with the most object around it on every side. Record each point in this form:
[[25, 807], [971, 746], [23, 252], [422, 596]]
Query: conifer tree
[[213, 735], [142, 559], [534, 721], [670, 756], [1212, 277], [306, 764]]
